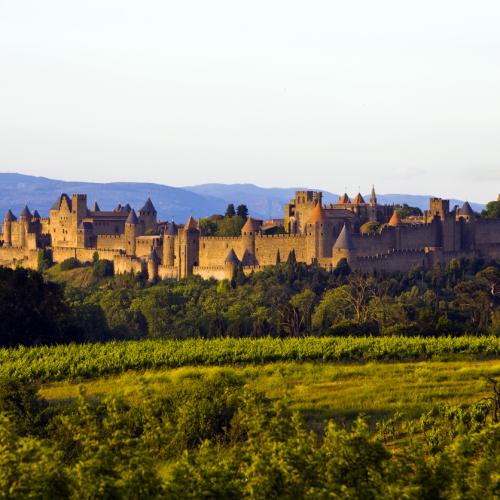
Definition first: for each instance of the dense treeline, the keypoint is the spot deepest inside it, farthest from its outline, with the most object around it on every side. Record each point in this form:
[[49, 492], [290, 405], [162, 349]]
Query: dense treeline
[[212, 437], [289, 299]]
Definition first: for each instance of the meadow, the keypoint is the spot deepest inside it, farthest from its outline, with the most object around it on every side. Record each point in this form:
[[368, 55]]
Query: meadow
[[319, 391]]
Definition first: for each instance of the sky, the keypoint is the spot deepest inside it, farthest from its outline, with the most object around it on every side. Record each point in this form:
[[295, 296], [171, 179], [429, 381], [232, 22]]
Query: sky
[[331, 94]]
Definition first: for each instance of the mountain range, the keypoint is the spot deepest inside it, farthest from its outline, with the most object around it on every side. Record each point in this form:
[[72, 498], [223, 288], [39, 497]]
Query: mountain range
[[176, 203]]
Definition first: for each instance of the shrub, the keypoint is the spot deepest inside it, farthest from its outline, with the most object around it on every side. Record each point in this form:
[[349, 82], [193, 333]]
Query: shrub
[[103, 268], [68, 264]]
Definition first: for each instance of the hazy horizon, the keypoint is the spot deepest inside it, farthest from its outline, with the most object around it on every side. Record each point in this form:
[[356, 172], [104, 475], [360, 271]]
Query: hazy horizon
[[328, 94]]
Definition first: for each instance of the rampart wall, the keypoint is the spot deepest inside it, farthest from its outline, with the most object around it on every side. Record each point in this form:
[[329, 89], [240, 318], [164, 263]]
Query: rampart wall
[[267, 246]]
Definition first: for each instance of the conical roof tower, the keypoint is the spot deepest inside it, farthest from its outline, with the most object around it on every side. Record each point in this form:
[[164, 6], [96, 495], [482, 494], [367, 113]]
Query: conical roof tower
[[318, 214], [344, 241], [395, 221]]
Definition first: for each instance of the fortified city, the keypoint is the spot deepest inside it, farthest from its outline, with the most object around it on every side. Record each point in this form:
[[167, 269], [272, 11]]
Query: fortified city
[[368, 235]]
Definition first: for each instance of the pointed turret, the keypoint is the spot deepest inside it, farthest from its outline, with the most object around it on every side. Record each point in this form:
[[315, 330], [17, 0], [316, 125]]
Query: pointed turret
[[132, 218], [191, 225], [358, 200], [250, 226], [232, 258], [344, 199], [9, 216], [373, 197], [96, 208], [25, 214], [318, 214], [395, 221], [467, 210], [344, 241], [148, 206], [36, 215], [169, 229]]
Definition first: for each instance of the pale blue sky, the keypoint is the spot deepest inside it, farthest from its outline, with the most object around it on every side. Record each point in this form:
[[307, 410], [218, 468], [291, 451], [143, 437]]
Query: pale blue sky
[[279, 93]]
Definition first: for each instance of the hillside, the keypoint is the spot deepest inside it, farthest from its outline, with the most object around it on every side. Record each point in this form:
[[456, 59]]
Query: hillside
[[270, 201], [40, 193], [171, 202]]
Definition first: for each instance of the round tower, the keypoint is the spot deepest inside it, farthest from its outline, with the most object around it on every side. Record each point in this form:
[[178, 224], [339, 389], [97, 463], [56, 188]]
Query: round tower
[[230, 265], [7, 228], [131, 226], [343, 248], [317, 230], [248, 232], [152, 266], [169, 245], [24, 221]]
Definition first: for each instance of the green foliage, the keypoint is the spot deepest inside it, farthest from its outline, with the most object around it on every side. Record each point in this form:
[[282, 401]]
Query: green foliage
[[230, 211], [32, 311], [103, 268], [68, 264], [242, 211], [91, 360], [221, 439], [230, 226], [369, 227], [208, 227], [44, 260], [22, 405], [492, 210], [404, 211]]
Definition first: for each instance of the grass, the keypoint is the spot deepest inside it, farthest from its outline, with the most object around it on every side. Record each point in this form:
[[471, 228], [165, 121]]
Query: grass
[[318, 390], [77, 278]]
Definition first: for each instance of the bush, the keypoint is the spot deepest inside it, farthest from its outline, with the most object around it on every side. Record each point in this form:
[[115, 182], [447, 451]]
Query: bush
[[22, 405], [68, 264], [103, 268]]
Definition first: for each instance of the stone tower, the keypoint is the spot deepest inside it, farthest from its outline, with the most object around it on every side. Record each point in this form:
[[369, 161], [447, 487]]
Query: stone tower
[[147, 216], [230, 265], [189, 248], [248, 233], [24, 222], [79, 207], [305, 201], [131, 231], [169, 245], [152, 266], [317, 229], [7, 228], [343, 248]]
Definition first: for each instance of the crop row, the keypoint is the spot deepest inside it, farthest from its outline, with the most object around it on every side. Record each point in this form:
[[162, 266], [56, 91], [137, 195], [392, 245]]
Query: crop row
[[83, 361]]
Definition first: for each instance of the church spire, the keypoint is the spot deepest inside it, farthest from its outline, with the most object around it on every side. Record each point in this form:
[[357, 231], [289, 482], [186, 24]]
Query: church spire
[[373, 197]]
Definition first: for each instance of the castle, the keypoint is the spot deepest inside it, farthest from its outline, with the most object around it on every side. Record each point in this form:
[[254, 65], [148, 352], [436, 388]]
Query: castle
[[368, 235]]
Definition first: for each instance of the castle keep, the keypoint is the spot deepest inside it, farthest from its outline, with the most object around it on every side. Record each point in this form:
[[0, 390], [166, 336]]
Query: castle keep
[[139, 242]]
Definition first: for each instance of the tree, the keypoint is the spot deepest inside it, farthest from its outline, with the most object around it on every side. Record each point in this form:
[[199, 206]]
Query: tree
[[405, 211], [208, 227], [242, 211], [303, 304], [492, 210], [230, 211], [230, 226]]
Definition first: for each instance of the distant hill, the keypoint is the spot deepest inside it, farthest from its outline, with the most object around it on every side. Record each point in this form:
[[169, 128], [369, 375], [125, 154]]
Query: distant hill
[[39, 192], [269, 202], [18, 190]]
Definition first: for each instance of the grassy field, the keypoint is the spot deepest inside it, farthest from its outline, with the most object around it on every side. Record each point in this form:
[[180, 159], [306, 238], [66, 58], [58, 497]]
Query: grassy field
[[318, 390], [78, 277]]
